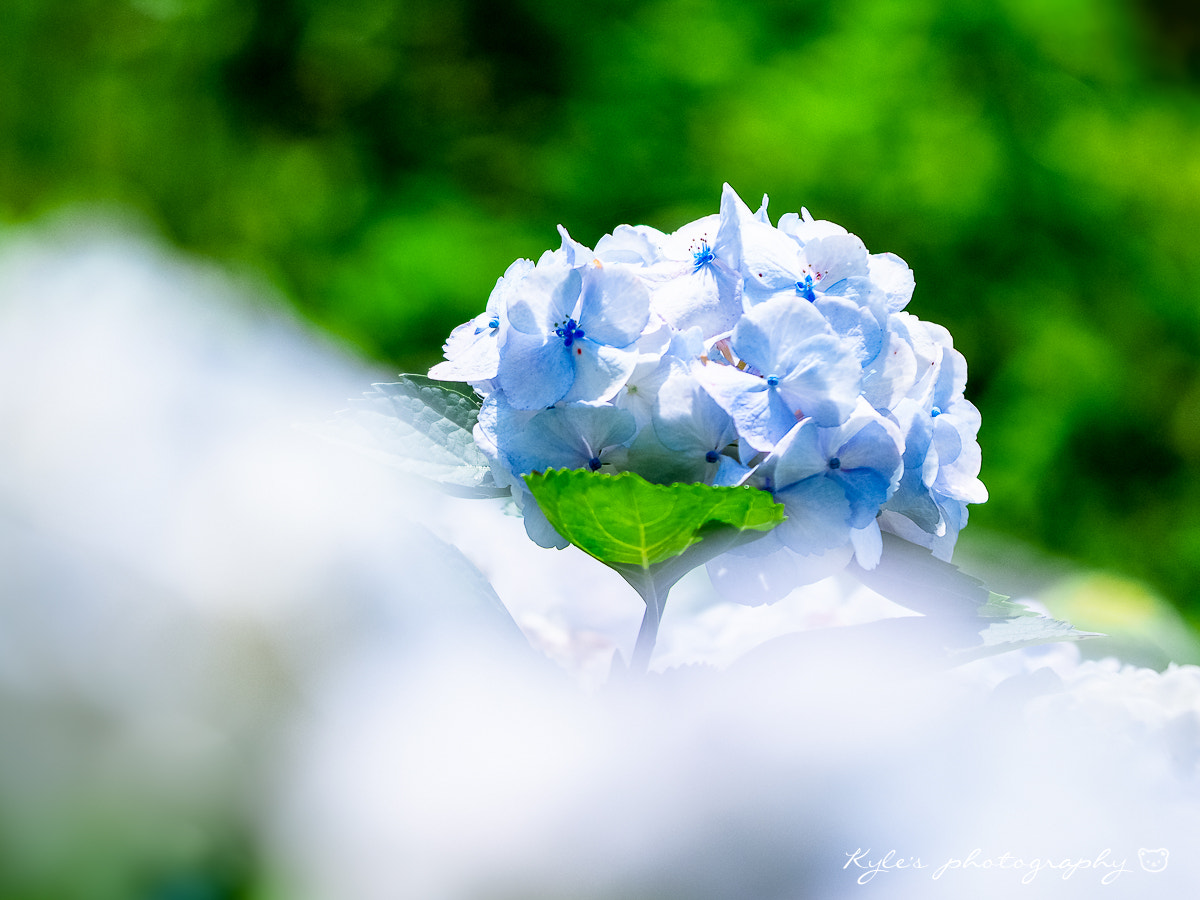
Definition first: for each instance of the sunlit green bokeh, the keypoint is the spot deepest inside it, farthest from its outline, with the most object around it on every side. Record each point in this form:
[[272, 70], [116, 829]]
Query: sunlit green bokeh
[[1035, 161]]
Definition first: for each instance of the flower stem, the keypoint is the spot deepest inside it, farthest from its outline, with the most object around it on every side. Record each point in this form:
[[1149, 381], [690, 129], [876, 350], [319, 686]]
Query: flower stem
[[643, 649]]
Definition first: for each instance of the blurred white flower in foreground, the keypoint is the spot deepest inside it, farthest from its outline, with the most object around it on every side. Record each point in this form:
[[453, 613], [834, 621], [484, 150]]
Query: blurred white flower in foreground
[[222, 640], [176, 560]]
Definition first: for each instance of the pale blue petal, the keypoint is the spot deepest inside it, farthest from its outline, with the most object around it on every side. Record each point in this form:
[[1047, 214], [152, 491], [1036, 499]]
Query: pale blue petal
[[564, 437], [868, 545], [535, 372], [892, 374], [472, 352], [628, 244], [865, 491], [913, 500], [798, 456], [600, 371], [649, 458], [539, 529], [615, 306], [729, 472], [761, 417], [818, 515], [873, 443], [771, 335], [761, 572], [687, 419], [824, 383], [727, 244], [546, 296], [894, 278], [836, 257], [853, 323], [771, 261], [575, 253]]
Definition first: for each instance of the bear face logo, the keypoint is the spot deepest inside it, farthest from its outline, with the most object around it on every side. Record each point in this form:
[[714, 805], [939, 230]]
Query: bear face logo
[[1153, 860]]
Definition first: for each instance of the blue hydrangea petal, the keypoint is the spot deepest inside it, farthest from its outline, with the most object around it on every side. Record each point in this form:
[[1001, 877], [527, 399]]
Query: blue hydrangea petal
[[727, 242], [472, 352], [799, 455], [766, 571], [804, 228], [865, 491], [818, 515], [871, 441], [599, 371], [763, 571], [646, 456], [771, 261], [868, 544], [568, 436], [614, 307], [682, 244], [836, 257], [687, 419], [729, 472], [640, 245], [854, 323], [946, 439], [535, 370], [709, 298], [824, 383], [760, 414], [575, 253], [546, 296], [913, 500], [771, 335], [538, 527], [893, 277], [892, 373]]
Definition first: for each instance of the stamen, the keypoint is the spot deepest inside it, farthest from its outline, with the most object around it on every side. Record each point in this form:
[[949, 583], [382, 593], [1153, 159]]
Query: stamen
[[772, 381], [712, 456], [570, 333], [835, 463], [594, 463], [703, 257]]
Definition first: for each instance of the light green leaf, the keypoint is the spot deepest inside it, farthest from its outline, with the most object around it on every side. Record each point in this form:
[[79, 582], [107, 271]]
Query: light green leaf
[[1025, 629], [651, 534], [422, 427], [624, 520], [970, 620]]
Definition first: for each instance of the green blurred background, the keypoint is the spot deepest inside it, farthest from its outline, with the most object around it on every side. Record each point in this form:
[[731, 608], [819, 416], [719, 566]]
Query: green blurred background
[[1036, 162]]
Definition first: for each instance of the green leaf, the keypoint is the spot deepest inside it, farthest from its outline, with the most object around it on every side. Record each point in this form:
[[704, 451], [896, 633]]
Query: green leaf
[[624, 520], [423, 428], [651, 534], [969, 620], [1002, 607], [1025, 629]]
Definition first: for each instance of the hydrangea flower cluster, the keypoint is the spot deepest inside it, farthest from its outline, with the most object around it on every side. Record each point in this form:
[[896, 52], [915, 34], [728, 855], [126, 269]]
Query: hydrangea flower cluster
[[732, 351]]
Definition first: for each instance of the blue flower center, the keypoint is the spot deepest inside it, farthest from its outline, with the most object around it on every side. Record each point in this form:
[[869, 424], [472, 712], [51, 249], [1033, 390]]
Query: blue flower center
[[772, 381], [935, 412], [835, 463], [494, 324], [570, 333], [594, 463], [712, 456], [703, 257], [805, 289]]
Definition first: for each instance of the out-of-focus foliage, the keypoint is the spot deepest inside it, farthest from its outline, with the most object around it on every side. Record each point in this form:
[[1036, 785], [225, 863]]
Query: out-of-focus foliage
[[1037, 163]]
